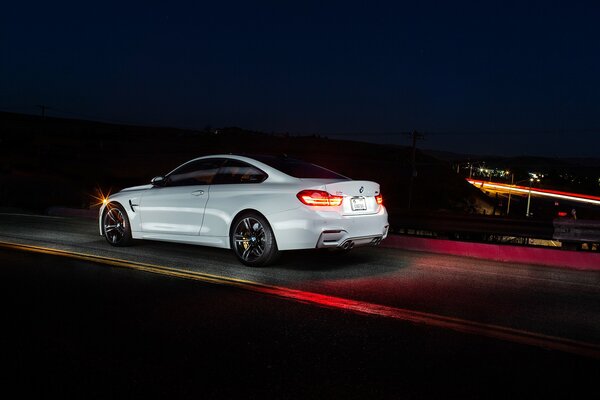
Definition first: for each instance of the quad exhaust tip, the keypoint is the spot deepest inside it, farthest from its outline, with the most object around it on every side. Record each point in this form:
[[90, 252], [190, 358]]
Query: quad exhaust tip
[[347, 245]]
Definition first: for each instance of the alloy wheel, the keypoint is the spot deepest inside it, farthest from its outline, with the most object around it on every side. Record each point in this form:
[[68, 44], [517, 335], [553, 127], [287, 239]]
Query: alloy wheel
[[249, 239], [115, 225]]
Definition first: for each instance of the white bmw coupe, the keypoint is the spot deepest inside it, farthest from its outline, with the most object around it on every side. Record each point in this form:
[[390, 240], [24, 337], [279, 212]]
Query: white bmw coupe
[[256, 206]]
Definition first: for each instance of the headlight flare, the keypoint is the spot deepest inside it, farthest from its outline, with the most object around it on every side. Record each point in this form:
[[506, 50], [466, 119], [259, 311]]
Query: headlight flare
[[99, 197]]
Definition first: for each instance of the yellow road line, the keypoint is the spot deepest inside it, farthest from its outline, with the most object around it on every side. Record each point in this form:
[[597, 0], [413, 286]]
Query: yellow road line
[[356, 306]]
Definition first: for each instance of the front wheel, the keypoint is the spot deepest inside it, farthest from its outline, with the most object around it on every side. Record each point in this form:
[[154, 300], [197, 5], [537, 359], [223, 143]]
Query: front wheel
[[253, 241], [115, 225]]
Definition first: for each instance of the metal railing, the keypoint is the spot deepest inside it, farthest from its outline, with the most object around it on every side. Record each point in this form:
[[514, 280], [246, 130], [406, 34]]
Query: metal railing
[[571, 233]]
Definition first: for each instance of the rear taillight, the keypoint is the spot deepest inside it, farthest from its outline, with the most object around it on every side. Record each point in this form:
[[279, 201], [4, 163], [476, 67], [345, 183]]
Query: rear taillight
[[379, 199], [319, 198]]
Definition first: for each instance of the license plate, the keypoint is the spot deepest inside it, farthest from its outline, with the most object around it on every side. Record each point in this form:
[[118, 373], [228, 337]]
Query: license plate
[[358, 203]]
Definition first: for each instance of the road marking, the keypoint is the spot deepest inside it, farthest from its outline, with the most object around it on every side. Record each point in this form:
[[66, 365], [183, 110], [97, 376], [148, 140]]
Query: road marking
[[31, 215], [356, 306]]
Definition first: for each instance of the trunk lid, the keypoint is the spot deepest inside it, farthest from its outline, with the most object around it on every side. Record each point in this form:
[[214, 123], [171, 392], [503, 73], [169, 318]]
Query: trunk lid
[[359, 196]]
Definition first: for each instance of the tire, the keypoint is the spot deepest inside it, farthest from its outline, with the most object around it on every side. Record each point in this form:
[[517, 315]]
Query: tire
[[252, 240], [115, 226]]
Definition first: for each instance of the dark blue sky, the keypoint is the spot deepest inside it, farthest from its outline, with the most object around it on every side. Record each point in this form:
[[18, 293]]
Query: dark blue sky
[[486, 77]]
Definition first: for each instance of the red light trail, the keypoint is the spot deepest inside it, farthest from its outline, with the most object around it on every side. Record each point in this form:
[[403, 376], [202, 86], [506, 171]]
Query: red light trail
[[584, 198]]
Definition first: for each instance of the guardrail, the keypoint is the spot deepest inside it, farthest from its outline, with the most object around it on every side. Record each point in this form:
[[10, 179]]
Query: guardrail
[[450, 224], [576, 231], [487, 228]]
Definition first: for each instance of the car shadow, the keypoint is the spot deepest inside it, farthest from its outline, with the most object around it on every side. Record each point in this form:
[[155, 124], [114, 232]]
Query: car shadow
[[324, 259], [294, 260]]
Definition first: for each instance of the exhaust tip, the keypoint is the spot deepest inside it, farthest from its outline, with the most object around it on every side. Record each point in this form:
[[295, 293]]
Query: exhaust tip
[[347, 245], [376, 241]]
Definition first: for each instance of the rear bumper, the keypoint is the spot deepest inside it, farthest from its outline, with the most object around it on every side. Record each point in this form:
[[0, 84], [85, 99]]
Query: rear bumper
[[308, 229], [343, 240]]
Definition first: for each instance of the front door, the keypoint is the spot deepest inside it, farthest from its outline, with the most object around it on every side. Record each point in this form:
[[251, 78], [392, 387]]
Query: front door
[[177, 207]]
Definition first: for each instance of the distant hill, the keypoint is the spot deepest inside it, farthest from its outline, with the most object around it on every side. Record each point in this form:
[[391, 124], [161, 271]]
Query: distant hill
[[54, 161]]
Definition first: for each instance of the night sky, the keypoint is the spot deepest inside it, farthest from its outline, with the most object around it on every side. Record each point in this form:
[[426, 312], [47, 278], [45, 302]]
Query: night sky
[[481, 77]]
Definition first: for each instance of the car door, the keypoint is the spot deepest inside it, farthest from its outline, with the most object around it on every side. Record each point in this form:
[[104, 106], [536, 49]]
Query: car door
[[235, 187], [177, 206]]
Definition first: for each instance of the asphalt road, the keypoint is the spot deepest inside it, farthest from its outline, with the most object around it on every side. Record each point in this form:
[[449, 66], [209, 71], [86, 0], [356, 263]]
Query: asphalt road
[[79, 329], [548, 301], [390, 351]]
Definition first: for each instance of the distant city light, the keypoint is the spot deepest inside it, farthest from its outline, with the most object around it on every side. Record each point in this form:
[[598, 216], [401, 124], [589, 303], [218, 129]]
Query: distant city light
[[536, 176]]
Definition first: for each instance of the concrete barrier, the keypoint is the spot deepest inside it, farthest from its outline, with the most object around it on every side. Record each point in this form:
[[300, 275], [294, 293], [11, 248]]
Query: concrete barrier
[[579, 260]]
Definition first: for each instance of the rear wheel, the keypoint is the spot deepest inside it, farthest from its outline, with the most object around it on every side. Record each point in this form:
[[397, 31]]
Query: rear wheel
[[115, 225], [253, 241]]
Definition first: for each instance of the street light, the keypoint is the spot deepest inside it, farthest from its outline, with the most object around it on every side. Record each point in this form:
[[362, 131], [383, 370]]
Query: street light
[[529, 197], [512, 185]]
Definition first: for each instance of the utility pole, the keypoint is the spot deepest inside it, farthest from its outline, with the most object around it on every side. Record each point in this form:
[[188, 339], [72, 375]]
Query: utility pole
[[43, 108], [415, 136]]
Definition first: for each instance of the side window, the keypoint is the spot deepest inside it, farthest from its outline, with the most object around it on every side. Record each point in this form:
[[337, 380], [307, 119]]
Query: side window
[[234, 171], [200, 172]]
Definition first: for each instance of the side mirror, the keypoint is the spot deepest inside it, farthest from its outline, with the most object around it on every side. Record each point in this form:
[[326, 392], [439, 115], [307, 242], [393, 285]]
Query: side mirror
[[158, 181]]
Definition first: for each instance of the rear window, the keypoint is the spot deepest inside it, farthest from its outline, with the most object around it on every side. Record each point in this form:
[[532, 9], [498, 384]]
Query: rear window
[[298, 168]]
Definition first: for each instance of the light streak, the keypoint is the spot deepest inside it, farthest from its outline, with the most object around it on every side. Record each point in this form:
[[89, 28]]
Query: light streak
[[583, 198]]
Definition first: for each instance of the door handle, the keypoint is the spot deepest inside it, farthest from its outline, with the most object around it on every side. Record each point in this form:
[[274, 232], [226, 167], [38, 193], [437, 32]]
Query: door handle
[[198, 192]]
